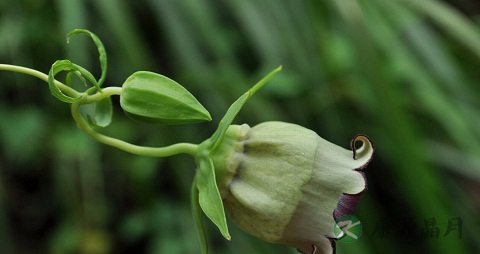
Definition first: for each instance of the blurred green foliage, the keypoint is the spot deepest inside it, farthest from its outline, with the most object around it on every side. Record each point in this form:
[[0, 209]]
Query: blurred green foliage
[[404, 72]]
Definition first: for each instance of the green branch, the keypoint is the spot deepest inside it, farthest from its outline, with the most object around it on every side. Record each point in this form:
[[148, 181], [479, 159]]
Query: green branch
[[66, 89], [84, 126], [125, 146]]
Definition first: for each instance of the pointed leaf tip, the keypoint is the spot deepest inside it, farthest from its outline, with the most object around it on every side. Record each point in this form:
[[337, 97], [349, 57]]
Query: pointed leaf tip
[[154, 98], [209, 197]]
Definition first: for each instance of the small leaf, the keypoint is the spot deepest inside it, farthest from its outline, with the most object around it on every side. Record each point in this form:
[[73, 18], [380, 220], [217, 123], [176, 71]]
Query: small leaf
[[228, 119], [60, 65], [209, 197], [101, 51], [198, 217], [99, 115], [154, 98], [66, 65], [103, 112]]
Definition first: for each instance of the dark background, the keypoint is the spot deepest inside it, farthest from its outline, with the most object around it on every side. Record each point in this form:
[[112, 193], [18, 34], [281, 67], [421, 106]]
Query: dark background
[[404, 72]]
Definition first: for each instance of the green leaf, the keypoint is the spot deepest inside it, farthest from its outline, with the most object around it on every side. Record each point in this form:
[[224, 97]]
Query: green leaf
[[198, 217], [209, 197], [60, 65], [101, 51], [228, 119], [453, 21], [100, 114], [154, 98], [66, 65], [233, 110]]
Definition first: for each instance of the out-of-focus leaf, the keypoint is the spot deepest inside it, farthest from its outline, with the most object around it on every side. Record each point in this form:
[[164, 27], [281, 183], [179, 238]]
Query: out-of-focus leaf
[[100, 114], [462, 29]]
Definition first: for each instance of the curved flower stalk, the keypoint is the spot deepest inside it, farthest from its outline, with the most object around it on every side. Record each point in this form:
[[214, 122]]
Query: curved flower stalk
[[278, 181]]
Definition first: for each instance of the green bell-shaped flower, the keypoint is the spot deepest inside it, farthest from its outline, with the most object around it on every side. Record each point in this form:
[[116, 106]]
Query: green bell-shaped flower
[[278, 181], [285, 184]]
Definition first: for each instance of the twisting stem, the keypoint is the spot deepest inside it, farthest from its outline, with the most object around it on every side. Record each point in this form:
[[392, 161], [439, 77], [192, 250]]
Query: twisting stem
[[83, 125], [125, 146], [66, 89]]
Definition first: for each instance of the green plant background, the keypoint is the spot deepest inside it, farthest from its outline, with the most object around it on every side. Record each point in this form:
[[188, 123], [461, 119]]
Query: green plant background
[[404, 72]]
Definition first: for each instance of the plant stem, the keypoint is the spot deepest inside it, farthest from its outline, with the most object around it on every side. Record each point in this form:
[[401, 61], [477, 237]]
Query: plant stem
[[106, 92], [125, 146], [83, 125], [14, 68]]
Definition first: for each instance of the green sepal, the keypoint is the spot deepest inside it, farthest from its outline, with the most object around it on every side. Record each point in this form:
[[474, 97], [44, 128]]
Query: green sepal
[[154, 98], [208, 195], [99, 114], [101, 51], [233, 110], [198, 217]]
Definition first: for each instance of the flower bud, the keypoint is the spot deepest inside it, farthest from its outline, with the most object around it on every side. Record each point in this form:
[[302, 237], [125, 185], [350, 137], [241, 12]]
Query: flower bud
[[151, 97], [284, 184]]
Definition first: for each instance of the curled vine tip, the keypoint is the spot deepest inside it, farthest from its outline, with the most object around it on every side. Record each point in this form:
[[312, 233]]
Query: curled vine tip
[[101, 51]]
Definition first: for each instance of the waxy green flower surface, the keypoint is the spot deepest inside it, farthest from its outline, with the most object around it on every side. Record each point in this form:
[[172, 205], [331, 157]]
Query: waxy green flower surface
[[283, 183]]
